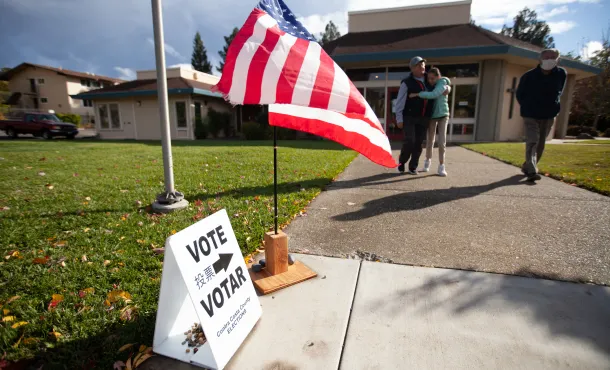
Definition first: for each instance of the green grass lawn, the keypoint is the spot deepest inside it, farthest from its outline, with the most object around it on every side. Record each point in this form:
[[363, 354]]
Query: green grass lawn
[[596, 142], [75, 223], [587, 166]]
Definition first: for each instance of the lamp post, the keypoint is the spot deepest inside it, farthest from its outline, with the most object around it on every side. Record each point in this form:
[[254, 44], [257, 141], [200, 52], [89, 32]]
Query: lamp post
[[170, 200]]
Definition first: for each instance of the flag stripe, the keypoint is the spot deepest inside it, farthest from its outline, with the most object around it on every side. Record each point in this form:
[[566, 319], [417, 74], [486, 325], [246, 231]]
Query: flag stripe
[[274, 67], [350, 132], [340, 92], [242, 65], [225, 83], [290, 71], [355, 101], [323, 87], [259, 61], [307, 76]]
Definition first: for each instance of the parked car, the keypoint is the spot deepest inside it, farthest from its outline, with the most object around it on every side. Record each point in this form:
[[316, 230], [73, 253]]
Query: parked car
[[45, 125]]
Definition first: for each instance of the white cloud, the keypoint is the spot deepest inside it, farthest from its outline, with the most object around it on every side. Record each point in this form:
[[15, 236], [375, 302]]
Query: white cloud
[[590, 48], [183, 65], [316, 23], [494, 21], [561, 26], [554, 12], [168, 49], [125, 73]]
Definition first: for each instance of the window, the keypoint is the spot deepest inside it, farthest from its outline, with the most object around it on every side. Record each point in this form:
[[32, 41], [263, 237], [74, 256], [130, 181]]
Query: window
[[369, 74], [29, 118], [44, 100], [86, 83], [109, 116], [376, 99], [457, 70], [41, 81], [87, 103], [398, 73], [465, 101], [96, 84], [181, 114]]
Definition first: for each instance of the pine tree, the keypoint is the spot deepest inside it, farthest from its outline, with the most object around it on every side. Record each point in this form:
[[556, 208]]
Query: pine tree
[[526, 27], [330, 33], [223, 52], [199, 60]]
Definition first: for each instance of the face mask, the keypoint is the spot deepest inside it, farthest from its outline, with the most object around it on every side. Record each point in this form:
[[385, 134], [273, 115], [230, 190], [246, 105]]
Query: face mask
[[548, 64]]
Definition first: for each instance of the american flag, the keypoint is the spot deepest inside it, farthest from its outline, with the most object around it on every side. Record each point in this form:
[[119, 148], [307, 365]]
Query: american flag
[[274, 60]]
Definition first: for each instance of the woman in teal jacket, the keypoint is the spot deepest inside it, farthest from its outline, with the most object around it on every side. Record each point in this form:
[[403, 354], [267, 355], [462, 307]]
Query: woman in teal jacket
[[440, 118]]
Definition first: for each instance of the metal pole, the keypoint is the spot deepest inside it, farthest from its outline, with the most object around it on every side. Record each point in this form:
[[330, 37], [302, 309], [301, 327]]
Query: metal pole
[[275, 176], [170, 199]]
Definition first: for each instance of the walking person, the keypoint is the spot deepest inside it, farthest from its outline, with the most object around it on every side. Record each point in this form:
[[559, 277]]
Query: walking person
[[440, 118], [412, 115], [539, 94]]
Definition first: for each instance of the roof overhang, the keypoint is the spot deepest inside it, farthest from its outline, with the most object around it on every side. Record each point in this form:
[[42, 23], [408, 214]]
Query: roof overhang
[[396, 55], [126, 94]]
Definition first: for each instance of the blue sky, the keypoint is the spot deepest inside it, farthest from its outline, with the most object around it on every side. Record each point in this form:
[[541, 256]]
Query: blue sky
[[114, 37]]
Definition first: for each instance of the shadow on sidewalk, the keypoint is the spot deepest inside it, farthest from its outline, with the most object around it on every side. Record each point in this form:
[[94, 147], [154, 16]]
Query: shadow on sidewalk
[[564, 309], [410, 201]]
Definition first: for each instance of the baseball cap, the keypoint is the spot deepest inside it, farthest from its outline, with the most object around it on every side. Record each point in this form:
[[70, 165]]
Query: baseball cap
[[415, 61]]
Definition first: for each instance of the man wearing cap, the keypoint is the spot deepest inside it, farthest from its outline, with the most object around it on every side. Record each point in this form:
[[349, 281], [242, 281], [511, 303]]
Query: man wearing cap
[[539, 95], [413, 114]]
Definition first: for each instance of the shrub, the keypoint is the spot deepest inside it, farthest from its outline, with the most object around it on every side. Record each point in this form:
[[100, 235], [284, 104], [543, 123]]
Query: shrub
[[220, 121], [607, 133], [254, 131], [202, 128], [577, 130], [285, 133], [70, 118]]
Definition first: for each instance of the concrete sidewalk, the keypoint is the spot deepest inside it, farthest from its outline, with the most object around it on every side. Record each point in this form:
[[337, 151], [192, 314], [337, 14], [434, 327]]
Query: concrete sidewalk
[[483, 217], [366, 315]]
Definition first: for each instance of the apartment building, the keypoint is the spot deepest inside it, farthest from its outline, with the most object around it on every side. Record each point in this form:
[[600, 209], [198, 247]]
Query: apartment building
[[39, 87]]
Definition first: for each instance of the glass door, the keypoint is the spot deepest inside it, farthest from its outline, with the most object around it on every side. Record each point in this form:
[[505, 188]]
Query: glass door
[[393, 132], [463, 104]]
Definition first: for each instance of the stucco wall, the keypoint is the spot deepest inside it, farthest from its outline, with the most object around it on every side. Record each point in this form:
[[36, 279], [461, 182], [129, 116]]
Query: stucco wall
[[491, 99], [409, 17], [54, 89]]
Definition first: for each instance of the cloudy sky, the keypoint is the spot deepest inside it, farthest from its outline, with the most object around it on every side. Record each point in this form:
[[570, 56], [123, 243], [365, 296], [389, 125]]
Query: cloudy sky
[[114, 37]]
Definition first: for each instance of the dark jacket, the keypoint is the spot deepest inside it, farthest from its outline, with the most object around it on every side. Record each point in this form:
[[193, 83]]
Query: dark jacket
[[417, 107], [539, 95]]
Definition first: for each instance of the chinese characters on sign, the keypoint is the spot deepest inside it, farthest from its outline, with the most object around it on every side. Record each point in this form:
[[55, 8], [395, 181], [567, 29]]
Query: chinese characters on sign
[[202, 279]]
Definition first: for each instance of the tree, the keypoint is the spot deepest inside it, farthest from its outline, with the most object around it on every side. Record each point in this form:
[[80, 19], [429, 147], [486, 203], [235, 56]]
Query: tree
[[526, 27], [225, 48], [199, 60], [330, 33], [592, 97], [573, 55]]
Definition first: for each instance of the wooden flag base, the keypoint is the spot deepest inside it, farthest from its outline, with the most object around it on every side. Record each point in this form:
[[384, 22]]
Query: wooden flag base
[[277, 273]]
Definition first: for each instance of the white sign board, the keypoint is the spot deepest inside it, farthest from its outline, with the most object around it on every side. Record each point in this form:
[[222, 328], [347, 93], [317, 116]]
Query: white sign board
[[205, 280]]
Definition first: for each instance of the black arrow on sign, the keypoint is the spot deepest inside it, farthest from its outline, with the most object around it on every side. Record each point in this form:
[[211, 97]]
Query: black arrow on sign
[[223, 262]]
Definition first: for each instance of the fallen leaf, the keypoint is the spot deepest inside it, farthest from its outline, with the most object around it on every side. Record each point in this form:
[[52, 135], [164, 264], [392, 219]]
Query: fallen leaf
[[8, 318], [49, 186], [61, 243], [18, 324], [19, 341], [41, 260], [159, 250], [106, 262], [124, 191], [126, 347], [56, 299], [88, 199], [28, 341], [6, 312], [43, 159], [84, 292], [117, 295], [84, 258], [55, 335], [173, 232], [12, 299], [142, 359], [119, 365], [129, 313], [42, 173], [86, 229], [75, 174]]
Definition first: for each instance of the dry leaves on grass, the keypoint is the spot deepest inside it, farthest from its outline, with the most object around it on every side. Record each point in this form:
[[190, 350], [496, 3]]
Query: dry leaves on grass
[[41, 260], [135, 358], [117, 295], [56, 299], [83, 293], [19, 324]]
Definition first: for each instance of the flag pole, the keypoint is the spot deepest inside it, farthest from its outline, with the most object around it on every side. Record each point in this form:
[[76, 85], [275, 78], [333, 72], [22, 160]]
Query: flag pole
[[275, 176], [170, 200]]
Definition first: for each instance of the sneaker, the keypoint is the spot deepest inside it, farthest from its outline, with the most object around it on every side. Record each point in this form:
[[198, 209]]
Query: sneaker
[[401, 168], [534, 177], [412, 172], [441, 170], [427, 164]]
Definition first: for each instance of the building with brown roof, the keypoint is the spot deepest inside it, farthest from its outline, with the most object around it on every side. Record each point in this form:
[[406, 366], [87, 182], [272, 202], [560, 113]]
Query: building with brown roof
[[484, 67], [38, 87], [131, 111]]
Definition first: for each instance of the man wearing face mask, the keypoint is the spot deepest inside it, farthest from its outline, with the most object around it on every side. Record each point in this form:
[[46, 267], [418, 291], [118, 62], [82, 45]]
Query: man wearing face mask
[[539, 94]]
